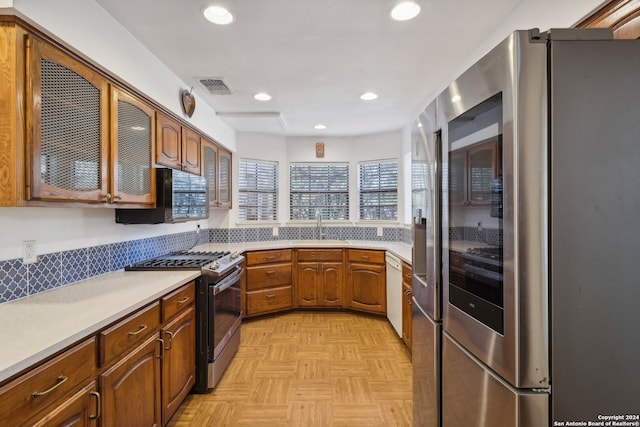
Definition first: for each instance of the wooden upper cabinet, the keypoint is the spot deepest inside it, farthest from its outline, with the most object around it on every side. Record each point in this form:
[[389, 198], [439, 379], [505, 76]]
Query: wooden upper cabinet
[[132, 138], [210, 170], [224, 178], [471, 171], [190, 151], [67, 119], [168, 141], [623, 16], [177, 147]]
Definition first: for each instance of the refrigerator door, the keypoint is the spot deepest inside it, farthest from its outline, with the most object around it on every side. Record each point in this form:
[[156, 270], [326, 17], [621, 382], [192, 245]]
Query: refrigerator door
[[595, 297], [473, 396], [425, 357], [513, 76], [426, 166]]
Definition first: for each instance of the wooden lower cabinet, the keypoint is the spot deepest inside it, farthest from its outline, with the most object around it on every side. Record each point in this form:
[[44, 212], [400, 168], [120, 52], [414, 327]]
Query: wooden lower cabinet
[[179, 361], [131, 388], [407, 305], [82, 409], [36, 394], [366, 284], [320, 284]]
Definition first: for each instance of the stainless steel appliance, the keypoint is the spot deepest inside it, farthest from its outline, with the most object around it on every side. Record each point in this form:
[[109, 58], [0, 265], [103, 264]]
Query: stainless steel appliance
[[426, 282], [540, 149], [180, 196], [218, 307]]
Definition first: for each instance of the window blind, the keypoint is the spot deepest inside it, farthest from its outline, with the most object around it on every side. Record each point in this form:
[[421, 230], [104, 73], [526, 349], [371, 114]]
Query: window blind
[[378, 184], [319, 187], [258, 190]]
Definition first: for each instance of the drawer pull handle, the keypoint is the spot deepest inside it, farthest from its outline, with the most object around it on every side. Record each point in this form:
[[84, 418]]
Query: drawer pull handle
[[270, 272], [270, 258], [59, 381], [183, 300], [142, 328], [270, 296], [98, 405], [365, 256], [170, 335]]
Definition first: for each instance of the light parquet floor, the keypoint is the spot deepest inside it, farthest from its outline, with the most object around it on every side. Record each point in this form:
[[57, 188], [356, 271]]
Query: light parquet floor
[[310, 369]]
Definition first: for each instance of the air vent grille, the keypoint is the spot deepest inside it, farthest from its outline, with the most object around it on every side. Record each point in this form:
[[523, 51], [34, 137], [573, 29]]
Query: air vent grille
[[216, 86]]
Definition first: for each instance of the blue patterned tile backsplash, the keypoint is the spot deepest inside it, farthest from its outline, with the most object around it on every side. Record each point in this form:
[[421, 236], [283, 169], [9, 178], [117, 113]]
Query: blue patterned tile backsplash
[[18, 280]]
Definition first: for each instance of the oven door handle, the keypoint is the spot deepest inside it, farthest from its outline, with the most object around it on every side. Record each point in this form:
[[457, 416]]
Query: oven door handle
[[485, 276], [227, 281]]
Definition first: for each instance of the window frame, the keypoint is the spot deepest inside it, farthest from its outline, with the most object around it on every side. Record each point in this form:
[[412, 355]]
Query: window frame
[[340, 190], [244, 189], [382, 191]]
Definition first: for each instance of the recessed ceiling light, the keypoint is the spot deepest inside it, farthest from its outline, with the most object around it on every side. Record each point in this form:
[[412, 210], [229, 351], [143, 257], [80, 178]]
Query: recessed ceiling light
[[419, 125], [455, 98], [369, 96], [320, 126], [218, 15], [262, 96], [405, 11]]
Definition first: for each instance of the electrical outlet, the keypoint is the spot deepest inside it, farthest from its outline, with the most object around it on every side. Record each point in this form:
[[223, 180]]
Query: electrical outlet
[[198, 229], [275, 231], [29, 255], [379, 231], [479, 227]]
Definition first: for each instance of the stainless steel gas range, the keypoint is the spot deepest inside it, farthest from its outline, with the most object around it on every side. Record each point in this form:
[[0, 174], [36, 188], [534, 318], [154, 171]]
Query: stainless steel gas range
[[218, 307]]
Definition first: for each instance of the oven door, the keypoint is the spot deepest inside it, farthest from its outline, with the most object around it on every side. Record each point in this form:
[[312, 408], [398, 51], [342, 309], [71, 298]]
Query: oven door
[[494, 151], [225, 311]]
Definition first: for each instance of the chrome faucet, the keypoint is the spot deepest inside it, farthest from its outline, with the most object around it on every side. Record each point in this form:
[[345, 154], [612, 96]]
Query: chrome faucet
[[320, 233]]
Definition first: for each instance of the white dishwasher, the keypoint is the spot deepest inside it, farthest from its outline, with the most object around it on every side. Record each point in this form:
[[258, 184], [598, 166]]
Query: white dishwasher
[[394, 292]]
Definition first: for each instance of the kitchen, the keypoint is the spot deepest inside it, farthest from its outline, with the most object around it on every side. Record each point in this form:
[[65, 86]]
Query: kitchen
[[61, 230]]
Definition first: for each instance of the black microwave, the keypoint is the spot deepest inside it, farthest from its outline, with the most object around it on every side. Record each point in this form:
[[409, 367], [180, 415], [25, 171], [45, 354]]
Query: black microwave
[[180, 197]]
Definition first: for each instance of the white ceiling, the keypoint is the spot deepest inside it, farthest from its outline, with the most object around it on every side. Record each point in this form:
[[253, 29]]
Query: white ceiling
[[315, 57]]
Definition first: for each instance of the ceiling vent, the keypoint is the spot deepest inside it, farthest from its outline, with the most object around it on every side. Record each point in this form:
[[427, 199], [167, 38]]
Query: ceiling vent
[[216, 85]]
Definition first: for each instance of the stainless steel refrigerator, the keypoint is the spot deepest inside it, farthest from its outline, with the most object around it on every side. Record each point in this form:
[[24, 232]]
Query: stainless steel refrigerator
[[540, 222], [426, 283]]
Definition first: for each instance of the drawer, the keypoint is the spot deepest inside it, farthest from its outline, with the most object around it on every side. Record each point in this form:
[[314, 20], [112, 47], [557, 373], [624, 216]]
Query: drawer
[[264, 257], [131, 331], [373, 257], [269, 300], [406, 272], [319, 254], [56, 380], [267, 276], [178, 300]]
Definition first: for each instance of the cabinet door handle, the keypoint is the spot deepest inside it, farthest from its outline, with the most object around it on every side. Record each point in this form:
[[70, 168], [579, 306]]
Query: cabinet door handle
[[98, 405], [106, 197], [142, 328], [59, 381], [161, 355], [170, 335], [183, 300]]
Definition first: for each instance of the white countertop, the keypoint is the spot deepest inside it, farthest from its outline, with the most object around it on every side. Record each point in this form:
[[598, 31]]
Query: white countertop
[[39, 326], [36, 327]]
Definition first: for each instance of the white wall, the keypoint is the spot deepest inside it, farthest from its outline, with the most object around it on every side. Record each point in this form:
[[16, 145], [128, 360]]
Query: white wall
[[86, 27]]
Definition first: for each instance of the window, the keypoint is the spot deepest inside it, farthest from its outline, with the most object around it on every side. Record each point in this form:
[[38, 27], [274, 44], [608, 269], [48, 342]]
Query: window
[[378, 183], [258, 190], [319, 187]]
